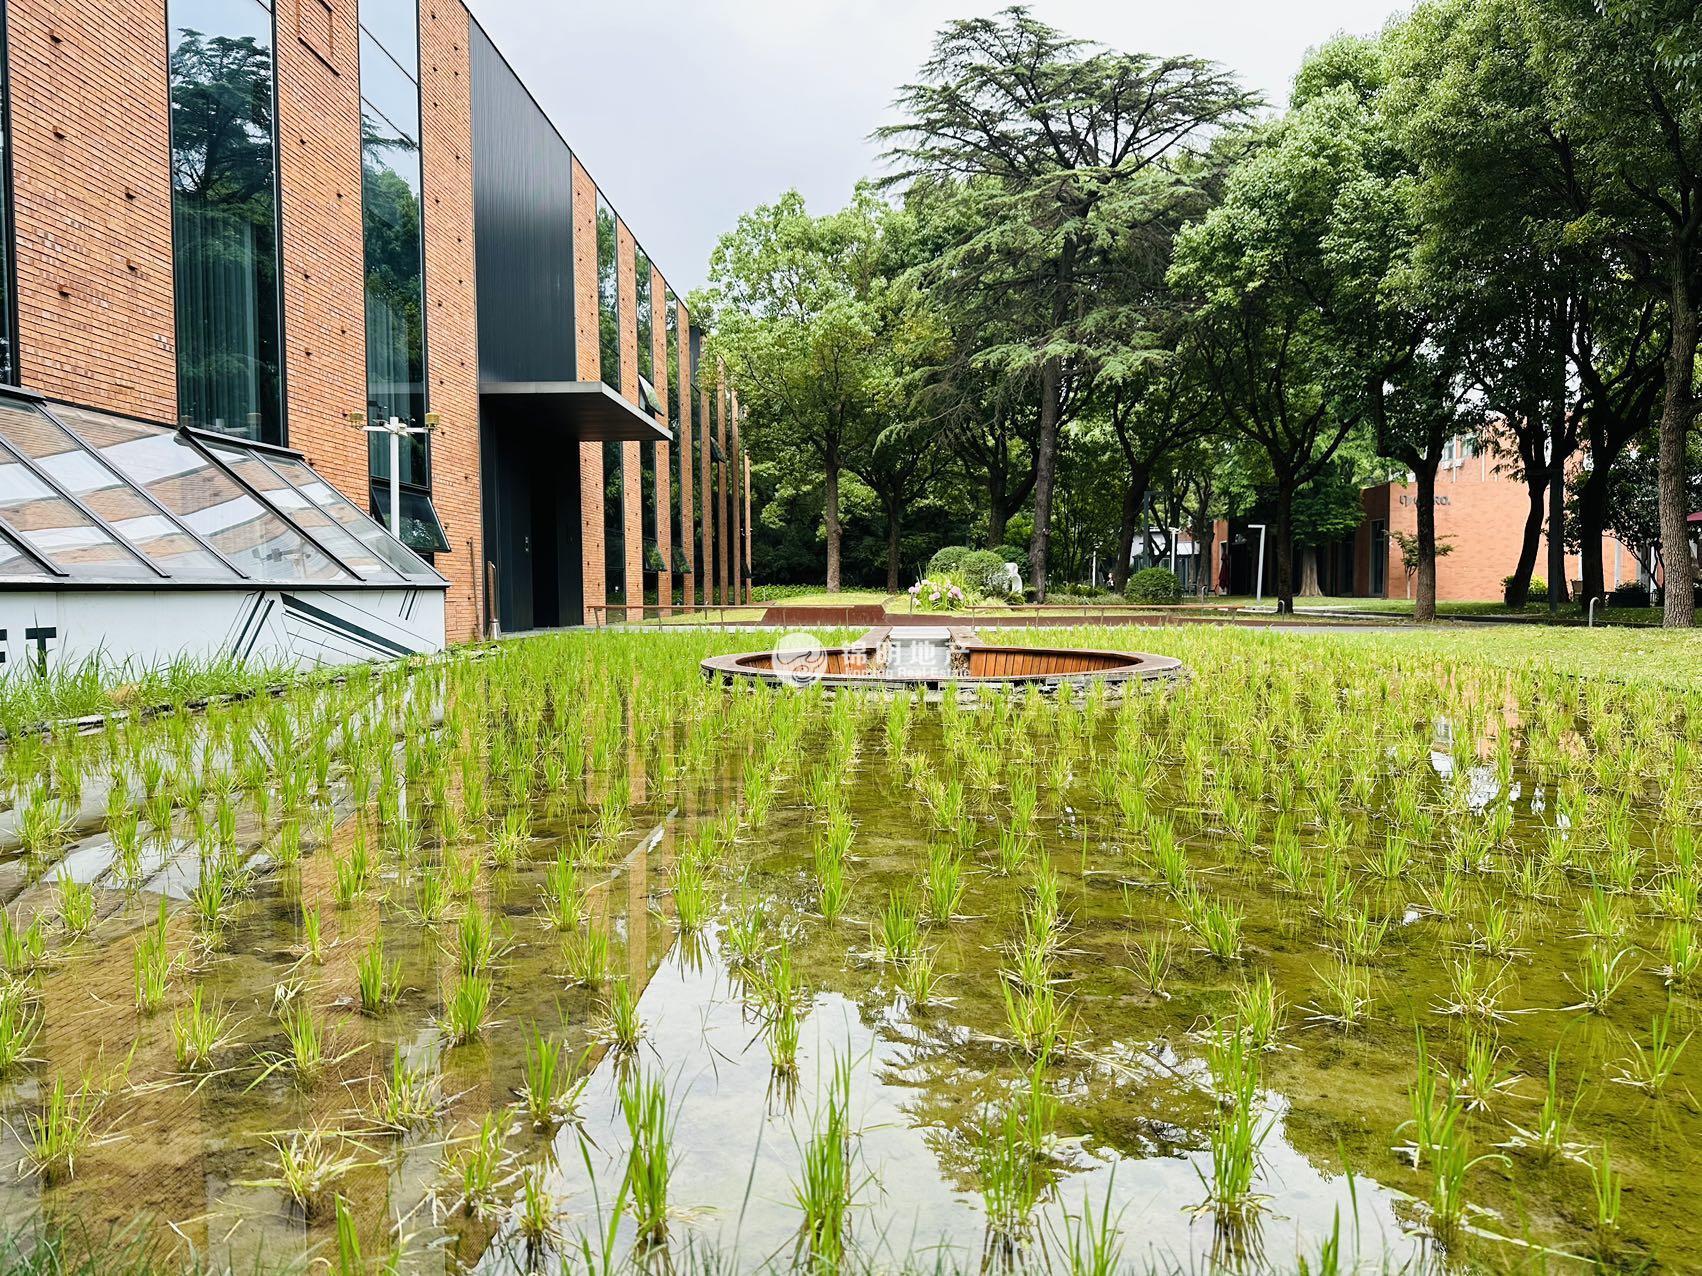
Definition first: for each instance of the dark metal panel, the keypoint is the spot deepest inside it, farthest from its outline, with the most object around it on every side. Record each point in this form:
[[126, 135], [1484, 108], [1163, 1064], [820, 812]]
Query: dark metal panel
[[585, 410], [523, 227]]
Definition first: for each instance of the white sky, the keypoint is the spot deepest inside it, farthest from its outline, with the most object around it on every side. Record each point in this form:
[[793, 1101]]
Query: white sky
[[688, 113]]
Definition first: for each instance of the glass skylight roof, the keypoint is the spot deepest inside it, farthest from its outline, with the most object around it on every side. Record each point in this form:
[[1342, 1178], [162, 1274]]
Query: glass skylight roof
[[91, 497]]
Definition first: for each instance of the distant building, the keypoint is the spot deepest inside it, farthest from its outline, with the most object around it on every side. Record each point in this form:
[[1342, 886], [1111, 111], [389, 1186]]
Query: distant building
[[1480, 511]]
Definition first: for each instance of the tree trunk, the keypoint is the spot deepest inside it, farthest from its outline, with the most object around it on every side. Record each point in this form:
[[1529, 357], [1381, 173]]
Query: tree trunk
[[1424, 602], [1557, 498], [997, 514], [894, 520], [1309, 587], [830, 515], [1134, 494], [1592, 526], [1518, 591], [1679, 581], [1045, 468], [1285, 547]]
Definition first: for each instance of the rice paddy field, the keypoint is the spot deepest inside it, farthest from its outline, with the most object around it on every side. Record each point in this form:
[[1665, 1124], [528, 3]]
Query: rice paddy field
[[1372, 953]]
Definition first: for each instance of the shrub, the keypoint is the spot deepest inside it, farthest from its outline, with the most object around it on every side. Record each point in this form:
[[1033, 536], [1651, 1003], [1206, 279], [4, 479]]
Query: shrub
[[1155, 585], [984, 570], [1630, 594], [948, 561], [1537, 593], [939, 593]]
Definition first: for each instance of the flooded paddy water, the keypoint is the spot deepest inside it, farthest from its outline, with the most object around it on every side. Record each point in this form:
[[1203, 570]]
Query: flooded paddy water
[[559, 957]]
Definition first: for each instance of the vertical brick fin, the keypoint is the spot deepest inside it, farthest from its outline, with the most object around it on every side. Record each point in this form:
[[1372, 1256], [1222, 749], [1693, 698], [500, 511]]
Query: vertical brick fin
[[664, 482], [589, 363], [91, 165], [324, 262], [452, 361], [688, 409], [632, 485]]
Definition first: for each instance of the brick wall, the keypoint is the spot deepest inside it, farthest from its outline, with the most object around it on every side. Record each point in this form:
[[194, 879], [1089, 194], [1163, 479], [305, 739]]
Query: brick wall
[[723, 560], [688, 408], [664, 454], [706, 481], [91, 167], [323, 249], [452, 362], [1483, 512], [632, 487], [589, 367]]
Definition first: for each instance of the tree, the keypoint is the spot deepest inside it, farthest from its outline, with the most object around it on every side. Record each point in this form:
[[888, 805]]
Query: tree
[[1042, 130], [1259, 267], [797, 308]]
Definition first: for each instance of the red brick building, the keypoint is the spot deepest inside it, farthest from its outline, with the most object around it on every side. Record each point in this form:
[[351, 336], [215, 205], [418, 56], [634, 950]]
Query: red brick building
[[1480, 512], [286, 221]]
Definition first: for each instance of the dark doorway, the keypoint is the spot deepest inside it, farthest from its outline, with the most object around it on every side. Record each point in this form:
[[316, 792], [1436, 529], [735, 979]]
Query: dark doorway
[[532, 535]]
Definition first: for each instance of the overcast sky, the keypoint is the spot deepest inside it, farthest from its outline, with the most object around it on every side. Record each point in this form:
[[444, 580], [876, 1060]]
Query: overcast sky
[[688, 112]]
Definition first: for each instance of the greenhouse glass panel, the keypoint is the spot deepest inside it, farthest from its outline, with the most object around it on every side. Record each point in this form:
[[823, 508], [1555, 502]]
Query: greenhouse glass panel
[[353, 518], [304, 513], [205, 498], [53, 526], [103, 493]]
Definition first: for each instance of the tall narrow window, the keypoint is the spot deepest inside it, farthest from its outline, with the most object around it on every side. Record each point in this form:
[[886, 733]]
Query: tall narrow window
[[608, 296], [225, 217], [8, 289], [393, 227], [641, 288], [614, 526]]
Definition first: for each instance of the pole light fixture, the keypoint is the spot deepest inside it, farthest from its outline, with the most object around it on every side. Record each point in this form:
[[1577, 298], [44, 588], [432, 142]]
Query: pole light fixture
[[397, 429]]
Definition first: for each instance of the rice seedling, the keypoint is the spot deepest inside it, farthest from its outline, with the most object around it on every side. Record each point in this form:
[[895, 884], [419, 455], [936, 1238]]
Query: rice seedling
[[310, 1163], [1549, 1137], [475, 943], [620, 1025], [199, 1031], [1423, 1095], [379, 984], [563, 896], [920, 980], [20, 1025], [1609, 1185], [585, 956], [43, 822], [548, 1095], [75, 905], [312, 934], [650, 1157], [1601, 974], [153, 965], [1451, 1162], [1344, 994], [1218, 924], [1154, 955], [898, 932], [467, 1009], [534, 1215], [1036, 1017], [62, 1129], [406, 1098], [1259, 1011], [692, 902], [1482, 1074], [944, 884], [825, 1189], [477, 1168], [1650, 1067], [1237, 1134], [1683, 953], [1476, 987]]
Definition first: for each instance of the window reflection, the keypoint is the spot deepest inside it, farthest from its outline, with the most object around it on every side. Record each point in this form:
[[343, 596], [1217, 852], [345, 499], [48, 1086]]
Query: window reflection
[[224, 217], [608, 296], [614, 525], [391, 190]]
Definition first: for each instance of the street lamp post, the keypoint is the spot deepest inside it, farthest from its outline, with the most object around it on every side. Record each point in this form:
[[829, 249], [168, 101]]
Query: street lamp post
[[1259, 580], [397, 429]]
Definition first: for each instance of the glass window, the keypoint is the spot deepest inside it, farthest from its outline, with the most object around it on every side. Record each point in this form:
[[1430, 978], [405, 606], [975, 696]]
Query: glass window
[[608, 296], [681, 456], [642, 284], [224, 217], [353, 519], [614, 525], [17, 565], [203, 497], [395, 25], [78, 471], [391, 217], [419, 528], [653, 560], [52, 525], [699, 462]]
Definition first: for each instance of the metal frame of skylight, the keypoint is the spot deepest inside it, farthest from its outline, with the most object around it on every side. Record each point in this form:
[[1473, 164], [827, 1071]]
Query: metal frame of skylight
[[199, 444]]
